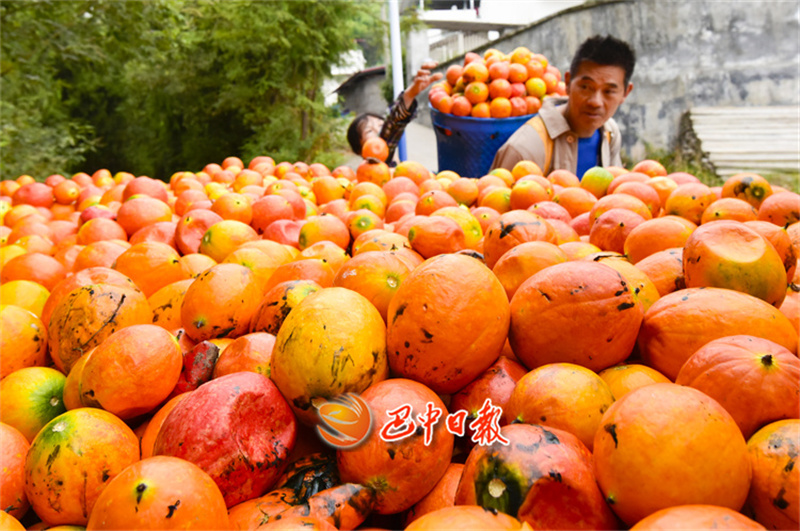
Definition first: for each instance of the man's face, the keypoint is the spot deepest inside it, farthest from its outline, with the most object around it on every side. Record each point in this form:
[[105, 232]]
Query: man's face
[[371, 128], [594, 96]]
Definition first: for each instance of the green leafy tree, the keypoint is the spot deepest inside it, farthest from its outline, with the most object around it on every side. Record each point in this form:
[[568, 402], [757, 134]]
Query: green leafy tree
[[37, 134], [370, 30], [167, 85]]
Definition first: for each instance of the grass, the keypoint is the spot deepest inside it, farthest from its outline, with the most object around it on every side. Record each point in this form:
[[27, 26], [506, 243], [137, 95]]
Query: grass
[[790, 181]]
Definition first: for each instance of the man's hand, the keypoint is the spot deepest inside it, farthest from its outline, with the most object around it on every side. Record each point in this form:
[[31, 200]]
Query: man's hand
[[421, 81]]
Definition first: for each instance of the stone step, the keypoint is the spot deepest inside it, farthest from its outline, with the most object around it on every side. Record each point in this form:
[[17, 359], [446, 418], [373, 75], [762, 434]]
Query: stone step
[[752, 147], [752, 110], [737, 139]]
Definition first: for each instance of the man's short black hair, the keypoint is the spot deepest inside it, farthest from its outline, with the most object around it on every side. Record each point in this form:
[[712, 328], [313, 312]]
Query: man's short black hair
[[605, 51], [355, 129]]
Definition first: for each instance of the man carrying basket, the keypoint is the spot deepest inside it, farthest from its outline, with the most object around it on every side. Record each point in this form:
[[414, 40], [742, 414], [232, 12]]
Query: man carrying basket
[[577, 132]]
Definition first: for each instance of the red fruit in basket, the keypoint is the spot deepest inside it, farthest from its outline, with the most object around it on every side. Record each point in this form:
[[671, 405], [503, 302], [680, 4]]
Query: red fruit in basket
[[541, 58], [476, 92], [499, 88], [518, 90], [453, 73], [517, 73], [442, 86], [499, 70], [533, 103], [481, 110], [442, 102], [534, 68], [551, 81], [461, 106], [500, 108], [472, 57], [519, 107], [553, 70], [475, 71], [434, 92]]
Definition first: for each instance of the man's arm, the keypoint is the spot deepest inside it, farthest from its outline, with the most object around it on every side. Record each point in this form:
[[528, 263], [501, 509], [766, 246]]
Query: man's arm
[[421, 81], [398, 118], [404, 108]]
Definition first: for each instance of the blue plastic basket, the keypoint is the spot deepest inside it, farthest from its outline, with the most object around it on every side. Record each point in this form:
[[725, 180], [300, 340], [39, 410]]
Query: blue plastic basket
[[467, 145]]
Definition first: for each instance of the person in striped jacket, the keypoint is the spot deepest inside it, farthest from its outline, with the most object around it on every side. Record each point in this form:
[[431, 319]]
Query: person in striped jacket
[[391, 126]]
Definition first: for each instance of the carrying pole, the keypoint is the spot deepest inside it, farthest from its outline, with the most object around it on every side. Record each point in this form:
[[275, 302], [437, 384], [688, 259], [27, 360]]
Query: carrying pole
[[397, 64]]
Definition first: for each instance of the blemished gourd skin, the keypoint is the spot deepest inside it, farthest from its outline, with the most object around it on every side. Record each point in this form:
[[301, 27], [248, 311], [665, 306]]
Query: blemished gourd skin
[[237, 428], [728, 254], [71, 461], [160, 493], [580, 312], [696, 517], [513, 228], [400, 472], [681, 322], [447, 323], [220, 303], [776, 477], [756, 380], [665, 444], [543, 476], [333, 342], [83, 318]]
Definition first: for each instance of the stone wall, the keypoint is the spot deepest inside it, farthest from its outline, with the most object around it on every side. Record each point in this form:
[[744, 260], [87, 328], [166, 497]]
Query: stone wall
[[689, 53], [364, 95]]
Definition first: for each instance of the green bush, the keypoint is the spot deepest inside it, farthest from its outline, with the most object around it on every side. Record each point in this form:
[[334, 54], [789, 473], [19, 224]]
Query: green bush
[[168, 85]]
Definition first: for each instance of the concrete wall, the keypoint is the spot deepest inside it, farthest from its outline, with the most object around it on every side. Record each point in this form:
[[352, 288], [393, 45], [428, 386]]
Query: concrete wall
[[364, 96], [689, 53]]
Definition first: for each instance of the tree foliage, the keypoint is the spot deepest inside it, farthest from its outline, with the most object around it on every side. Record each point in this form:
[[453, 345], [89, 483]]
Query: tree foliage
[[165, 85]]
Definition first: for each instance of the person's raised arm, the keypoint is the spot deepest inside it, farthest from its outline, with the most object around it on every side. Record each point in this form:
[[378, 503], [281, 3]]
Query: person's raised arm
[[421, 81]]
